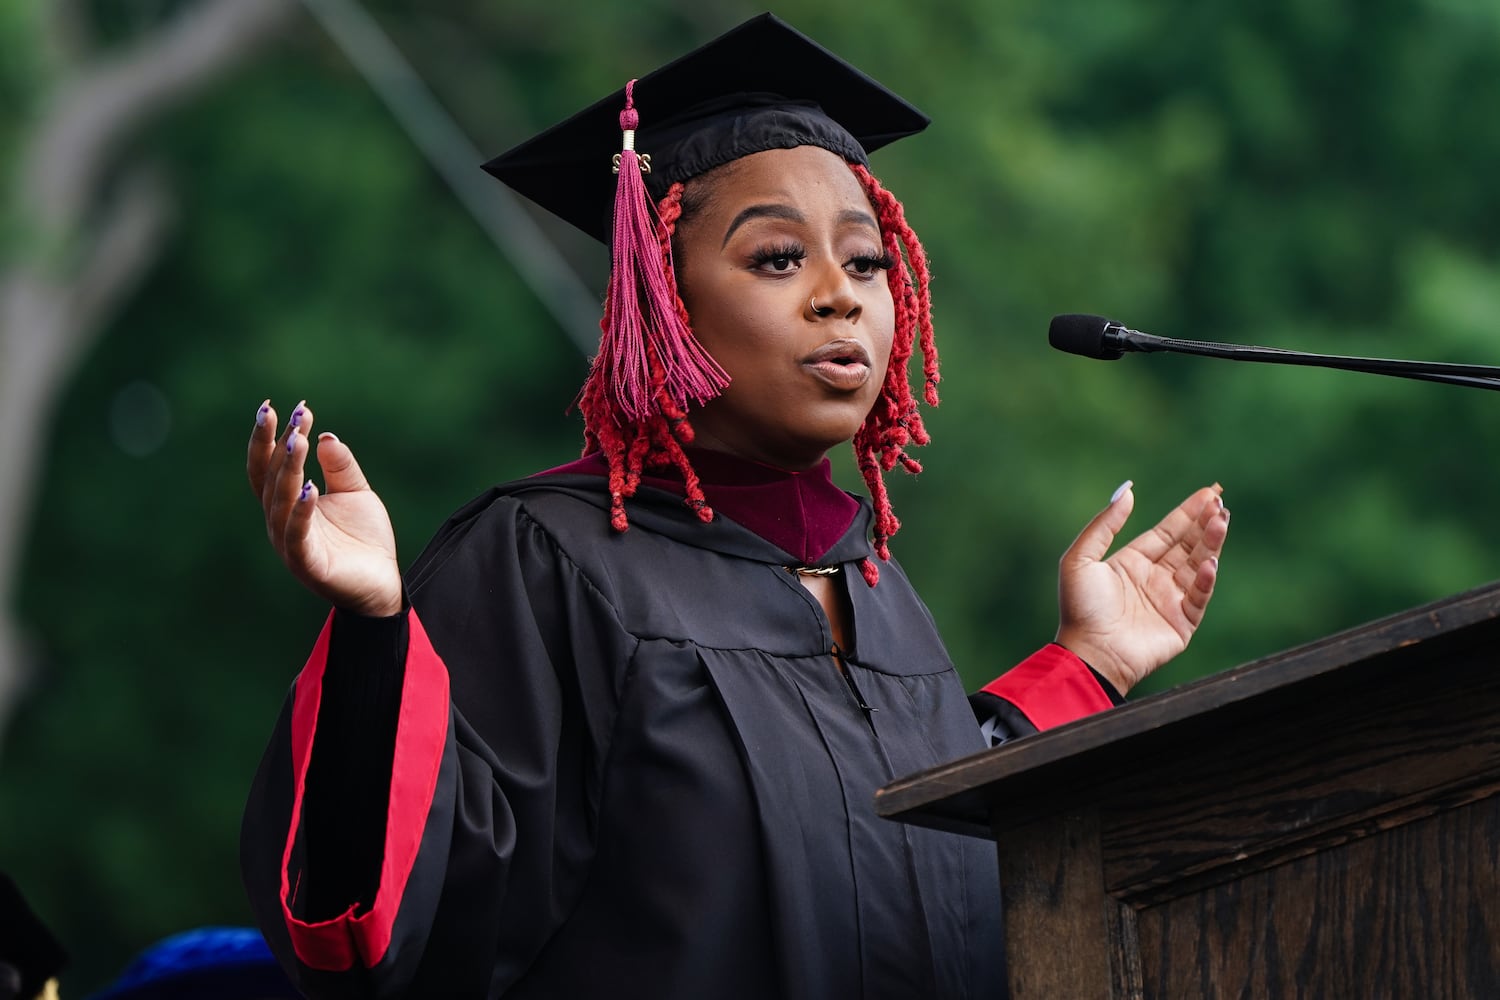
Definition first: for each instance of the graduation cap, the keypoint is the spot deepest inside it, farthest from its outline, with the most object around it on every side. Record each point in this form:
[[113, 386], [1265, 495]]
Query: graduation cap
[[760, 86], [763, 85], [224, 963], [29, 954]]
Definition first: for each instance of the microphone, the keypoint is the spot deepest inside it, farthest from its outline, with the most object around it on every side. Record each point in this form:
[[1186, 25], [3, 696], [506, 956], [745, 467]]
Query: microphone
[[1106, 340]]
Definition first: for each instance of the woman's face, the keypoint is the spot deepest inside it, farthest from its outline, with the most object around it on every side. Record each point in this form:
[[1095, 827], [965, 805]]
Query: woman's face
[[773, 232]]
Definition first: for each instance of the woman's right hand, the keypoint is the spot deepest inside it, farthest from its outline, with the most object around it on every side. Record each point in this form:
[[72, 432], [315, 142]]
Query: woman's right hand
[[340, 545]]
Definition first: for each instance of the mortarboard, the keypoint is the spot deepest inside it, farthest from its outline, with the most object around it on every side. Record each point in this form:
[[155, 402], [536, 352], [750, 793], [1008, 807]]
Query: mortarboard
[[225, 963], [27, 947], [763, 85]]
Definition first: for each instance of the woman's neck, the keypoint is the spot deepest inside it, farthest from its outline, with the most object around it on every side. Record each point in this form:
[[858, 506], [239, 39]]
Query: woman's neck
[[800, 512]]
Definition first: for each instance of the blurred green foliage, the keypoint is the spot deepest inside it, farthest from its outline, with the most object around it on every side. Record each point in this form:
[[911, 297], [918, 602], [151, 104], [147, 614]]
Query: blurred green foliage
[[1315, 176]]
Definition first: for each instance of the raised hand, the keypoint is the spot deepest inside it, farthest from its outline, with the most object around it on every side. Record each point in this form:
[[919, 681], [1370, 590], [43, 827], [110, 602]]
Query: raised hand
[[340, 544], [1132, 612]]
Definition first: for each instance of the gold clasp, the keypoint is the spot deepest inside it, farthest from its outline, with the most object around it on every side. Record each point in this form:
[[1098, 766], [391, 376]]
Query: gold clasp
[[641, 159]]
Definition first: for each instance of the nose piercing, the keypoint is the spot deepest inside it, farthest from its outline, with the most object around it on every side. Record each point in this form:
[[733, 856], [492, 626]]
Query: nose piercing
[[814, 303]]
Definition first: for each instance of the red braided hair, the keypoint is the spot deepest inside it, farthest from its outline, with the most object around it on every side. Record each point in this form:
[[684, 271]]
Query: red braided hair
[[892, 424], [894, 421]]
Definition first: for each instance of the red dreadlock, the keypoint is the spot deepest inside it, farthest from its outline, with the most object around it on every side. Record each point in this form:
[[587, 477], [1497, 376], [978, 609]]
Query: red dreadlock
[[892, 424], [894, 421]]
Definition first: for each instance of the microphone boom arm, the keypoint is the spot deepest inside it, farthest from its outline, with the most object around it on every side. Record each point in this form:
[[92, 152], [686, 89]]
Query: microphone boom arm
[[1121, 339]]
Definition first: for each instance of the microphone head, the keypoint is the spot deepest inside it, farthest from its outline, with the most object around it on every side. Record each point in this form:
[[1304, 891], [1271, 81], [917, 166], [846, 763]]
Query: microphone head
[[1078, 333]]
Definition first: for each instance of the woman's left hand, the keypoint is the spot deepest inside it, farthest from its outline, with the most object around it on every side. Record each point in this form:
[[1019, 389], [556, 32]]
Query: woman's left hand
[[1132, 612]]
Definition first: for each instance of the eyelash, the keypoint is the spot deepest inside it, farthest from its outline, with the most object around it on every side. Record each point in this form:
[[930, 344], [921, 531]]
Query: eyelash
[[794, 252], [764, 255], [882, 263]]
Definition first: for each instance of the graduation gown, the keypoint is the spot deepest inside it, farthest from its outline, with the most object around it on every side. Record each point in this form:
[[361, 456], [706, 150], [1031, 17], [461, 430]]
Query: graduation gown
[[627, 765]]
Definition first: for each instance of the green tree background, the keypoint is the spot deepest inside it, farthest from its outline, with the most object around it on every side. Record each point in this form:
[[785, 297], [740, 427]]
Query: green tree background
[[1313, 176]]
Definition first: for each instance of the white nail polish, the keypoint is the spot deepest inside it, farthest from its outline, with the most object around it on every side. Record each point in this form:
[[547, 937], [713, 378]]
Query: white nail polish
[[1114, 498]]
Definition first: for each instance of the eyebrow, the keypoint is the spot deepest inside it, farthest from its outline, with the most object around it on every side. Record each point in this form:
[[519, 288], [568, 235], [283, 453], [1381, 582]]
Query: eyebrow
[[774, 211], [786, 212]]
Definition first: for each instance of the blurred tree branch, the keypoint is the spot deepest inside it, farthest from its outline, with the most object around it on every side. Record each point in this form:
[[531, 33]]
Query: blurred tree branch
[[452, 156], [90, 231]]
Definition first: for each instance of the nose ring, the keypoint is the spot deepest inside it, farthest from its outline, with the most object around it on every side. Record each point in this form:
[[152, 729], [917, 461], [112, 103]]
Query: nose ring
[[814, 303]]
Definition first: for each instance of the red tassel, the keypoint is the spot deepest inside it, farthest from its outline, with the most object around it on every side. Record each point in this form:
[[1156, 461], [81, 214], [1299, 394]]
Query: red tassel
[[643, 300]]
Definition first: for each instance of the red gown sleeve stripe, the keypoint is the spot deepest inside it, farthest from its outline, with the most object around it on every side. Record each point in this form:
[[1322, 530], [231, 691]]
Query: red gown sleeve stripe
[[421, 732], [1051, 687]]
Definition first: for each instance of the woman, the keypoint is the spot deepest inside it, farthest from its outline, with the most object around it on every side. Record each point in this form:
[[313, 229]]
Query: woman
[[618, 731]]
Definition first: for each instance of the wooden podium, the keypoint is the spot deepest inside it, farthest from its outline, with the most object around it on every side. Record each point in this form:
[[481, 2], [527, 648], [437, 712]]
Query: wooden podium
[[1323, 823]]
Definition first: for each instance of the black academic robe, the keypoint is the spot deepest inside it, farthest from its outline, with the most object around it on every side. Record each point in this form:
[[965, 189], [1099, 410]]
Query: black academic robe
[[626, 765]]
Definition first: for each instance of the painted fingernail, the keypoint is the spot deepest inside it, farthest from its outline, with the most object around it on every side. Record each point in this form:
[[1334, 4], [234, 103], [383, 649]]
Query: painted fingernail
[[306, 490], [1118, 493], [297, 413], [291, 438], [262, 413]]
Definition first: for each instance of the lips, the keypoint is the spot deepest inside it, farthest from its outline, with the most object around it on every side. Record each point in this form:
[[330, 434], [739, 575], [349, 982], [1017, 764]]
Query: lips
[[842, 364]]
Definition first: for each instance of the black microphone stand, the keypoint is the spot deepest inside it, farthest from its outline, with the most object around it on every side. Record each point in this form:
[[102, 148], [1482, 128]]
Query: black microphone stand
[[1122, 339]]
